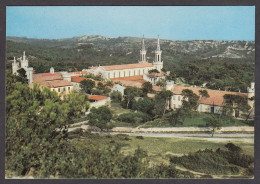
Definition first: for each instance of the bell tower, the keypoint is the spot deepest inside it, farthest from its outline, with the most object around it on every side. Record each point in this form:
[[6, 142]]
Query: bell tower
[[142, 53], [24, 62], [158, 63]]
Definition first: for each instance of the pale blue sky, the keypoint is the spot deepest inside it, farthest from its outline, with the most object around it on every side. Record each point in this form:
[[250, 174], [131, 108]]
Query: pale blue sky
[[170, 22]]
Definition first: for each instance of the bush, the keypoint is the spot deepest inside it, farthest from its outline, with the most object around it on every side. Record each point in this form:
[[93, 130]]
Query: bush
[[214, 162], [233, 148], [123, 137], [116, 96], [139, 137], [134, 118]]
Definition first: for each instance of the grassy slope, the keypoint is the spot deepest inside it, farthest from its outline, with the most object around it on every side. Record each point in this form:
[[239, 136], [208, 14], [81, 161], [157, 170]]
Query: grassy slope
[[159, 149]]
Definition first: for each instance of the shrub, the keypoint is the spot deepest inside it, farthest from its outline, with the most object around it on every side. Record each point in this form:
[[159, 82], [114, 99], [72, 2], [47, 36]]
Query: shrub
[[139, 137], [134, 118], [233, 148]]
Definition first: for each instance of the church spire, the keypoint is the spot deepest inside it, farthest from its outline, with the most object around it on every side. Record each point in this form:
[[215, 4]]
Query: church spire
[[143, 45], [158, 44], [142, 53]]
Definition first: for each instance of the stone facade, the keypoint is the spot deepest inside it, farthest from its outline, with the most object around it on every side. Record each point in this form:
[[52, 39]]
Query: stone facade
[[24, 63], [141, 68]]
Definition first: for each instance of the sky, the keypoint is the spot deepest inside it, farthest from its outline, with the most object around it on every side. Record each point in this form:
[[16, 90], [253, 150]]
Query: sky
[[170, 22]]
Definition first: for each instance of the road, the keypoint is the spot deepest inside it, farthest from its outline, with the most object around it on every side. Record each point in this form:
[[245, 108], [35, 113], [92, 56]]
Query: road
[[223, 137]]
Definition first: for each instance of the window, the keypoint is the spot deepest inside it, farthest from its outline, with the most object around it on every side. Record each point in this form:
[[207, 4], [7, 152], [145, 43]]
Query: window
[[139, 72], [53, 89], [173, 97], [143, 70], [124, 73], [212, 109], [109, 75], [129, 73], [179, 98], [200, 107], [68, 88], [134, 72], [58, 89], [119, 74], [64, 89], [114, 74]]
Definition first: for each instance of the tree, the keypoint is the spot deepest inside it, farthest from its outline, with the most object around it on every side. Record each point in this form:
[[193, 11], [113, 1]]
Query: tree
[[87, 85], [147, 87], [204, 93], [78, 105], [130, 94], [100, 117], [214, 123], [190, 100], [145, 105], [153, 71], [100, 86], [235, 102], [22, 77], [177, 117], [162, 100], [116, 96], [161, 82], [171, 76], [109, 83]]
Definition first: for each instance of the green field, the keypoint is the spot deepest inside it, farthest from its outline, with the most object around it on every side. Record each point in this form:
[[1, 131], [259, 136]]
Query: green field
[[159, 149]]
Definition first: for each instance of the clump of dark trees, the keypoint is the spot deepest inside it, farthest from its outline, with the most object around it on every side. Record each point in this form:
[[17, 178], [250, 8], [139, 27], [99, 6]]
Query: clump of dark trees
[[223, 75], [218, 162]]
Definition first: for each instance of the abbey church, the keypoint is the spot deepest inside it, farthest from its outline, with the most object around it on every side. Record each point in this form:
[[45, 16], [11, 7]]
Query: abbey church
[[128, 70]]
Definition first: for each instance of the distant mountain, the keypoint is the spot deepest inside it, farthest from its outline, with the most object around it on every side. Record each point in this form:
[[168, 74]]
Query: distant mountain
[[95, 49], [200, 48]]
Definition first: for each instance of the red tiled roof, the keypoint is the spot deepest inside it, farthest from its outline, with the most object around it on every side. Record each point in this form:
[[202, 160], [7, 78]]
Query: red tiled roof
[[77, 79], [157, 88], [130, 83], [126, 66], [97, 97], [79, 73], [215, 96], [154, 74], [137, 78], [47, 76]]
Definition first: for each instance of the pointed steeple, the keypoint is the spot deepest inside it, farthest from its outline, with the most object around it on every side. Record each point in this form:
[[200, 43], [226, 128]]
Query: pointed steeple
[[143, 45], [142, 52], [23, 55], [158, 44]]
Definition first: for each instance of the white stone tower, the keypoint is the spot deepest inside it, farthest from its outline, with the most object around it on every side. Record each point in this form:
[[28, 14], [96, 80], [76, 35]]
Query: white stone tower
[[24, 61], [15, 66], [169, 85], [158, 63], [250, 94], [142, 53], [29, 74], [52, 70]]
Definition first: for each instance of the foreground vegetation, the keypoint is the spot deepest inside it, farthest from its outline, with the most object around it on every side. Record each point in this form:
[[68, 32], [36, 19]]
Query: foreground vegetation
[[38, 143]]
